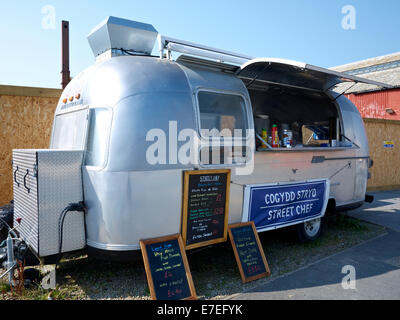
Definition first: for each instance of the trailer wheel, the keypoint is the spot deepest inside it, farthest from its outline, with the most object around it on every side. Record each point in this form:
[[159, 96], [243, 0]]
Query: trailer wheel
[[310, 230]]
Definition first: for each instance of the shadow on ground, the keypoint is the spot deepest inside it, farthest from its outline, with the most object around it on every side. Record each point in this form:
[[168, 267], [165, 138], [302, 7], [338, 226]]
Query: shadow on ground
[[214, 270]]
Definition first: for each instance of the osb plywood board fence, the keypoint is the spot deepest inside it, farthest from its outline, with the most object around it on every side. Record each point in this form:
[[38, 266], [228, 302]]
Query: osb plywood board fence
[[384, 146], [26, 117]]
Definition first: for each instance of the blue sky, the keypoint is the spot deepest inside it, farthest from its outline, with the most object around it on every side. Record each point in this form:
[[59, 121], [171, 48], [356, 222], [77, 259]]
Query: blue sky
[[304, 30]]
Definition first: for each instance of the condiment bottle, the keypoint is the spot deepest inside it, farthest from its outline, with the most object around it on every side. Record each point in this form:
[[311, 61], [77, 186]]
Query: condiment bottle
[[265, 137], [275, 137]]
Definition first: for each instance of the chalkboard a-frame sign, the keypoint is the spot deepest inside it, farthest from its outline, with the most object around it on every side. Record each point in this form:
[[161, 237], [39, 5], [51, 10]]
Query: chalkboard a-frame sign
[[248, 251], [205, 207], [167, 268]]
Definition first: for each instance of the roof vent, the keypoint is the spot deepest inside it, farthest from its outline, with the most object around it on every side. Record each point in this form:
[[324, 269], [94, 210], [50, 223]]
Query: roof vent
[[116, 35]]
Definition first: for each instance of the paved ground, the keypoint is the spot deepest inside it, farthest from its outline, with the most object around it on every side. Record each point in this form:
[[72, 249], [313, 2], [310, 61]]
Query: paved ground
[[385, 210], [375, 263]]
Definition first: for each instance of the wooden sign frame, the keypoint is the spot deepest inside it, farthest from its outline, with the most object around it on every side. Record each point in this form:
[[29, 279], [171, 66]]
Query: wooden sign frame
[[144, 243], [260, 248], [186, 177]]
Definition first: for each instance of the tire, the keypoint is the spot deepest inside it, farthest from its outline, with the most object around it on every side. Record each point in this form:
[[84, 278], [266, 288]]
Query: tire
[[310, 230]]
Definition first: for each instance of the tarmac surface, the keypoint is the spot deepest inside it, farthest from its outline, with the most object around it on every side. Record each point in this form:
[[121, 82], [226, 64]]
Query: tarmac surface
[[370, 270]]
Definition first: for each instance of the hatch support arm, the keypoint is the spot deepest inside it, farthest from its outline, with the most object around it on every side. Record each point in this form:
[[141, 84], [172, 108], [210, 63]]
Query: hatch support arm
[[347, 89], [171, 44]]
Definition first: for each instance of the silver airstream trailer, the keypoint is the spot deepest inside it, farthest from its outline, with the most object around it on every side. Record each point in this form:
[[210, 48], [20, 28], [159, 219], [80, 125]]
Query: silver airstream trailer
[[141, 119]]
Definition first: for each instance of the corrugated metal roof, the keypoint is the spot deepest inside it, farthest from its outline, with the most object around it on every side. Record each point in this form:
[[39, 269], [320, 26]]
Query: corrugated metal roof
[[368, 62], [384, 69]]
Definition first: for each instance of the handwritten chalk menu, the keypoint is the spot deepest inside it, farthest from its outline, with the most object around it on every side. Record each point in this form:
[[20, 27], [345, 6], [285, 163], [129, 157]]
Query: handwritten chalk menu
[[248, 251], [205, 207], [167, 268]]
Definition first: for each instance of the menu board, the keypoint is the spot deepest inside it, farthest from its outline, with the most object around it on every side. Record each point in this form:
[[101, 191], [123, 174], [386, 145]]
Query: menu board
[[248, 251], [167, 268], [205, 207]]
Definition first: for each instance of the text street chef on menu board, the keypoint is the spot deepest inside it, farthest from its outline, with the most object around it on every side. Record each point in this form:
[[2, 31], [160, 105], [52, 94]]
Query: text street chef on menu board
[[205, 207]]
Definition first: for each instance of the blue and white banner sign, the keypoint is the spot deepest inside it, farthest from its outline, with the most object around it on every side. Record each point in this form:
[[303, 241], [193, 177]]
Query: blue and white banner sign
[[272, 206]]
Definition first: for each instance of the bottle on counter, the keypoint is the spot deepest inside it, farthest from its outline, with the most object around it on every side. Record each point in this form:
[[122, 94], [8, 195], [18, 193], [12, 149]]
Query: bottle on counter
[[284, 138], [290, 138], [275, 137], [264, 135], [287, 138]]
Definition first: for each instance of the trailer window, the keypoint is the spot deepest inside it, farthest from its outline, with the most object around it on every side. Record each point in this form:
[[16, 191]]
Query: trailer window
[[97, 142], [221, 115], [70, 131]]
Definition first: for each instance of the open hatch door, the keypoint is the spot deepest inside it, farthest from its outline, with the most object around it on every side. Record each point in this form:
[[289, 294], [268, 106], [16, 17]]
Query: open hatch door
[[296, 74]]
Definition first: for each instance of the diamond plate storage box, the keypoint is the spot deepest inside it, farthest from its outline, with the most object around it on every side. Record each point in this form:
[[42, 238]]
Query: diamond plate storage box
[[45, 182]]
